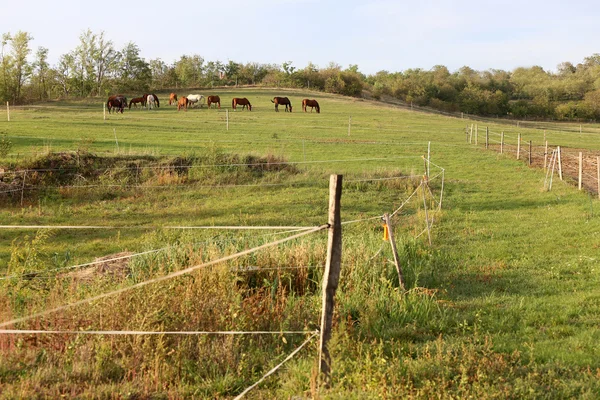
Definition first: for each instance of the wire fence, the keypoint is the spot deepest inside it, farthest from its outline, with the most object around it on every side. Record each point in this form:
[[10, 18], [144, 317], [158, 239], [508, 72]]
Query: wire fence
[[578, 166]]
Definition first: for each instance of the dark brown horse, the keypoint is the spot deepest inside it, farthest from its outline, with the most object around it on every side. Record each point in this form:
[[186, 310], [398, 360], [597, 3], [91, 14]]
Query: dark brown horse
[[173, 98], [117, 102], [136, 101], [284, 101], [312, 104], [241, 102], [182, 103], [213, 100]]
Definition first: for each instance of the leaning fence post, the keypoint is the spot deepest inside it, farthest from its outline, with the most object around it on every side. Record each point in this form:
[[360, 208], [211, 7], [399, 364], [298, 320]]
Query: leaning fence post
[[331, 275], [559, 164], [428, 155], [7, 111], [580, 170], [518, 146], [386, 216], [502, 143], [545, 152]]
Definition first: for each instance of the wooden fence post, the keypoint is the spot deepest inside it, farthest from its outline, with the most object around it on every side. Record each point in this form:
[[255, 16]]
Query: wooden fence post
[[545, 152], [518, 146], [23, 187], [502, 143], [580, 170], [530, 153], [598, 168], [471, 135], [104, 110], [331, 275], [426, 213], [428, 155], [8, 111], [386, 216], [487, 137], [559, 164]]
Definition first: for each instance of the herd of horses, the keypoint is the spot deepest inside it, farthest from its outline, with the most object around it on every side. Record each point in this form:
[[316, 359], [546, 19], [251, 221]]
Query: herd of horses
[[118, 103]]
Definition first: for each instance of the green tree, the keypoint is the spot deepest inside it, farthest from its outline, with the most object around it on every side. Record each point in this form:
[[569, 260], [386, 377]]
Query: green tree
[[41, 73], [21, 69], [134, 72]]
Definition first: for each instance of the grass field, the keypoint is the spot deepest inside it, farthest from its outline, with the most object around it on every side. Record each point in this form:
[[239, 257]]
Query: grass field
[[504, 304]]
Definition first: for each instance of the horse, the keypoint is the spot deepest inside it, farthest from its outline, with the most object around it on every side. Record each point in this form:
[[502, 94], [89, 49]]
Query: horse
[[155, 97], [182, 103], [213, 100], [173, 98], [137, 100], [195, 98], [150, 101], [241, 102], [118, 102], [312, 104], [284, 101]]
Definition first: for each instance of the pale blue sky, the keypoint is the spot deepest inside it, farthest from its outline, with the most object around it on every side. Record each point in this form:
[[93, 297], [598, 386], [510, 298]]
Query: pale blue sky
[[376, 35]]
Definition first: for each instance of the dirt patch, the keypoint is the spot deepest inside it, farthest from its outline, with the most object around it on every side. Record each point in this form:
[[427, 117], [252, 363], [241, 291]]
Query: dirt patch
[[115, 266]]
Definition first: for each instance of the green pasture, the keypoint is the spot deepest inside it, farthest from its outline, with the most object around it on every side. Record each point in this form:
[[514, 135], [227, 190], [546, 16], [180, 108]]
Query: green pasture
[[504, 304]]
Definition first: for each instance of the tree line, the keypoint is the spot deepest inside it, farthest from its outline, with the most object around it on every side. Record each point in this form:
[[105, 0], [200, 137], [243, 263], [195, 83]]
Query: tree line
[[96, 68]]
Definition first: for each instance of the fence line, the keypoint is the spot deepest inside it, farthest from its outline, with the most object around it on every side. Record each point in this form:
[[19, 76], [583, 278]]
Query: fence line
[[163, 278], [43, 274], [146, 333]]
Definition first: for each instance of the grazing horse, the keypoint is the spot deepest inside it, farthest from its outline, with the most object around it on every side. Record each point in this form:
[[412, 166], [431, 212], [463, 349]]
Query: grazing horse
[[155, 97], [150, 102], [136, 101], [182, 103], [213, 100], [173, 98], [284, 101], [117, 102], [241, 102], [312, 104], [195, 98]]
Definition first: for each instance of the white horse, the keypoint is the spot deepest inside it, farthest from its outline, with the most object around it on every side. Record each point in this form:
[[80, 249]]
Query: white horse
[[150, 101], [196, 98]]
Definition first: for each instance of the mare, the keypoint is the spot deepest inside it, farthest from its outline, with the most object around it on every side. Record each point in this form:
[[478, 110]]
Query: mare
[[241, 102], [195, 98], [213, 100], [182, 103], [117, 102], [312, 104], [173, 98], [136, 101], [284, 101]]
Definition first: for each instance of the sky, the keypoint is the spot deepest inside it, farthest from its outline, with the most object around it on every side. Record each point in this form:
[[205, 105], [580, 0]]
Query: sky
[[375, 35]]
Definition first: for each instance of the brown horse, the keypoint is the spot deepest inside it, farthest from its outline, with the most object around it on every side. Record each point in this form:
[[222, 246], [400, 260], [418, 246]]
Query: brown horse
[[117, 102], [136, 101], [182, 103], [312, 104], [213, 100], [241, 102], [284, 101], [173, 98]]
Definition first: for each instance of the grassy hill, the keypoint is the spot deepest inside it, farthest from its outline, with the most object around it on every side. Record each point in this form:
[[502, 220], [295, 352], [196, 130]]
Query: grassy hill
[[505, 302]]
